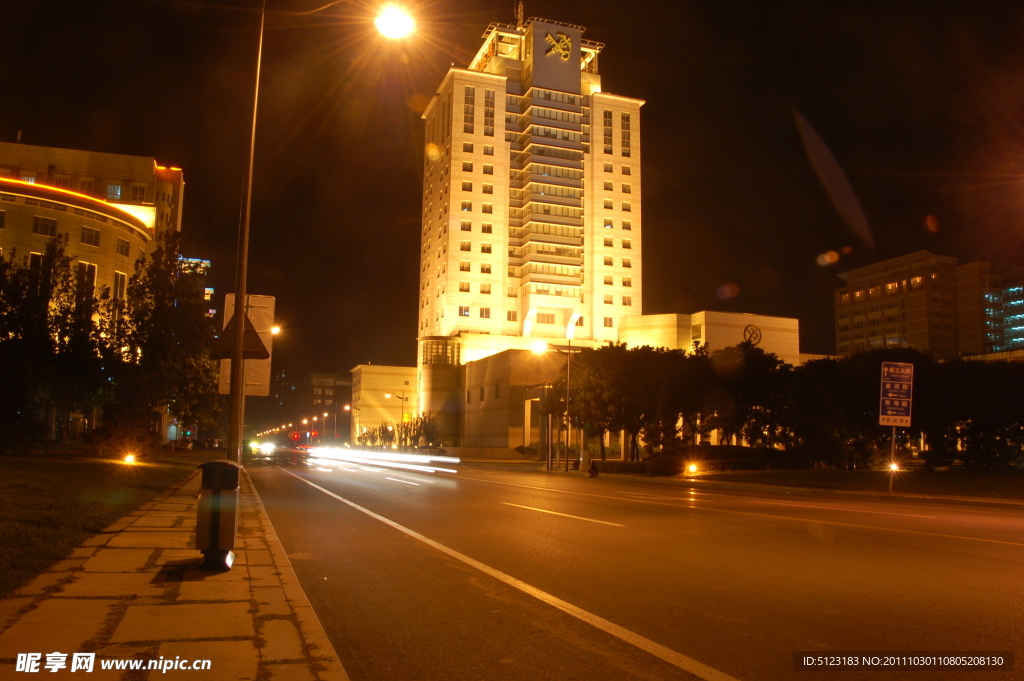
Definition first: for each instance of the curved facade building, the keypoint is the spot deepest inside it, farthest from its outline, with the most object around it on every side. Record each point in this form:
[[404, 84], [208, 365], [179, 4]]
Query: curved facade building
[[103, 237]]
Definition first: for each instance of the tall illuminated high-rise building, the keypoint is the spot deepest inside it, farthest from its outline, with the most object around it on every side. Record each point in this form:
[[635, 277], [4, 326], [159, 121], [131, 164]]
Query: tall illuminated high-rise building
[[531, 224]]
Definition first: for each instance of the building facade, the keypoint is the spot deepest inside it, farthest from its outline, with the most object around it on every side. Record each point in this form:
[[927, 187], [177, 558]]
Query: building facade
[[532, 212], [382, 394], [111, 206], [931, 303]]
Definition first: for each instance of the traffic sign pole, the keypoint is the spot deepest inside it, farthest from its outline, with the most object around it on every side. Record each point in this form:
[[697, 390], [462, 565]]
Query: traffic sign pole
[[895, 404], [892, 459]]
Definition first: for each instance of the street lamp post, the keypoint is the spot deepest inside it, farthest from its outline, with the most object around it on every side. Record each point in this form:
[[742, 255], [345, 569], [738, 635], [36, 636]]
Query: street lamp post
[[402, 400]]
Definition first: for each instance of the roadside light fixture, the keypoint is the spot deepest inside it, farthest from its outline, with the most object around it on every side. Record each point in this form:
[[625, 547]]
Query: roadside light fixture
[[692, 468], [274, 330], [129, 458], [305, 421], [348, 407], [539, 348], [394, 22], [894, 466]]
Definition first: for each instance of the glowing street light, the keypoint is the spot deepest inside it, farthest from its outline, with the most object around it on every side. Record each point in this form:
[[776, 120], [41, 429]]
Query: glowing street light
[[394, 22], [274, 330]]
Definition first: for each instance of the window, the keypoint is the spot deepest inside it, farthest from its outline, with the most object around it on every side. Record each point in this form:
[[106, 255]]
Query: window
[[489, 113], [87, 185], [467, 186], [138, 194], [467, 226], [481, 393], [915, 283], [114, 192], [627, 243], [608, 322], [607, 132], [469, 104], [485, 313], [467, 205], [609, 186], [488, 208], [608, 241], [86, 278], [122, 247], [463, 310], [464, 266], [627, 281], [485, 268], [463, 287], [626, 262], [608, 280], [485, 289], [608, 223], [627, 300], [844, 299], [510, 315], [488, 150], [626, 206], [467, 166], [2, 216], [497, 391], [62, 182], [487, 228], [607, 260], [485, 248], [625, 170], [627, 225], [28, 177], [545, 318], [90, 236], [607, 300], [608, 204], [625, 134], [608, 168], [468, 395], [626, 189], [488, 169], [465, 246], [316, 391], [467, 147], [488, 189], [44, 226], [120, 284]]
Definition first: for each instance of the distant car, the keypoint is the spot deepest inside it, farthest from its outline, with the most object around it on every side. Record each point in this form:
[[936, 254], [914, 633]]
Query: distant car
[[262, 454]]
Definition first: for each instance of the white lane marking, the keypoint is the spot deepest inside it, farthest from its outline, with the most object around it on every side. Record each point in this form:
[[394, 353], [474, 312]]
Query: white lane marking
[[564, 515], [667, 654], [751, 513], [405, 481], [786, 503]]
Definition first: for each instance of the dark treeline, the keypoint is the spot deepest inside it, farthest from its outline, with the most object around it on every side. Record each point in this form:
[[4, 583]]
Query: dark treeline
[[824, 411], [67, 348]]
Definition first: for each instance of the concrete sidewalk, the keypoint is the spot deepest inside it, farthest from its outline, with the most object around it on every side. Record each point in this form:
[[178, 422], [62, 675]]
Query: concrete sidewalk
[[133, 592]]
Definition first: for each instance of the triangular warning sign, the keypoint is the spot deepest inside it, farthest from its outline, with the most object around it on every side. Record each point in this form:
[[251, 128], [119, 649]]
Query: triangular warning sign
[[252, 344]]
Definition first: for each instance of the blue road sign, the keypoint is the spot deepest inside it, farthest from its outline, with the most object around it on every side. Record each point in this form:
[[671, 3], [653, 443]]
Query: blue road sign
[[897, 396]]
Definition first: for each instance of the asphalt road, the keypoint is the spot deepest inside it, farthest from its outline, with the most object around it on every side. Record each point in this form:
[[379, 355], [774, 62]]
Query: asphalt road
[[518, 574]]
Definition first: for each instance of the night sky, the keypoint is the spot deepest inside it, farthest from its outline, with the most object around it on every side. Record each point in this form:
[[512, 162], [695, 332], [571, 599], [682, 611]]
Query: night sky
[[920, 103]]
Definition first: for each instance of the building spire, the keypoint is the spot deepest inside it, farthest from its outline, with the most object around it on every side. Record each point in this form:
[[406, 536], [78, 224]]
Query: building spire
[[519, 16]]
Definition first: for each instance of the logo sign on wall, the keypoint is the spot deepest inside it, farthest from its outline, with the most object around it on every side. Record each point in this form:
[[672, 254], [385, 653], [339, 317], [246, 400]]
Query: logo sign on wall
[[897, 394], [752, 334], [562, 45]]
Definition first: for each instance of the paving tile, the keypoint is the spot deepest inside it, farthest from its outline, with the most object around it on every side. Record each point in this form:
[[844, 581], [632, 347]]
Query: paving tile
[[41, 583], [175, 622], [154, 521], [97, 540], [290, 672], [259, 557], [117, 560], [113, 585], [83, 552], [9, 608], [178, 556], [281, 641], [171, 507], [67, 564], [229, 660], [167, 539], [214, 591], [233, 575], [263, 575], [57, 624], [271, 600]]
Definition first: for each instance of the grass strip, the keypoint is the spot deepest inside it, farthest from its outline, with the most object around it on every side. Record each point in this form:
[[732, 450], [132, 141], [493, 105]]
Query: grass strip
[[48, 506]]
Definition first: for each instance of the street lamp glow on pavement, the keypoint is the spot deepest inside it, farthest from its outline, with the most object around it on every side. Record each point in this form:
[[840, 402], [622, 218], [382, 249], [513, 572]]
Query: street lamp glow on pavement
[[394, 22]]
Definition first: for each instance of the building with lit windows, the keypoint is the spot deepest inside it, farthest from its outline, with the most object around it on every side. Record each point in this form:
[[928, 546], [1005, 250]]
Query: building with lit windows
[[932, 303], [110, 205], [532, 211]]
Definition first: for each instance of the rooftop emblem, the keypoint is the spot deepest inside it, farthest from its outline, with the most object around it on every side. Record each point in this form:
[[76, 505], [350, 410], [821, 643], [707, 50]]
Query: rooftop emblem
[[562, 46]]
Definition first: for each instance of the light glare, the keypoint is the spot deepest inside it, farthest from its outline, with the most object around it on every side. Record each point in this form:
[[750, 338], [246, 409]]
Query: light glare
[[394, 22]]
